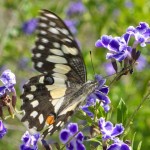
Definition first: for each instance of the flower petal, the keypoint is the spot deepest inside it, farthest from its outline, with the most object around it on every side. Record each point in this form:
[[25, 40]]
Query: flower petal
[[114, 45], [118, 129], [64, 136], [3, 130], [118, 146], [102, 97], [80, 136], [79, 146], [85, 108], [73, 128], [100, 79], [105, 89]]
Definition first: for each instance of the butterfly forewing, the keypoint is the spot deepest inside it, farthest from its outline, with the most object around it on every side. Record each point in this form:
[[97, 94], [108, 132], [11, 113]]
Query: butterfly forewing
[[58, 58], [56, 49]]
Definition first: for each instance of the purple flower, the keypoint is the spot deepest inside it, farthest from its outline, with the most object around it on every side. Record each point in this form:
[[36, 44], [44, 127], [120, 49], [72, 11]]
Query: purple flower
[[141, 33], [71, 24], [118, 145], [107, 129], [77, 138], [90, 101], [29, 141], [117, 46], [3, 130], [141, 63], [75, 8], [29, 26], [109, 68], [8, 79], [100, 95]]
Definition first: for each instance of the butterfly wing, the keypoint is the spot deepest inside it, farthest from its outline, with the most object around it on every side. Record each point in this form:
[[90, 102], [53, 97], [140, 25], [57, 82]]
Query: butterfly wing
[[57, 56], [56, 47]]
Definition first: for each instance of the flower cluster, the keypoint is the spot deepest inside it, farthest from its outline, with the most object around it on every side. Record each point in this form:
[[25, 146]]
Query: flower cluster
[[73, 137], [29, 141], [141, 33], [8, 79], [107, 129], [100, 95], [110, 132], [119, 48]]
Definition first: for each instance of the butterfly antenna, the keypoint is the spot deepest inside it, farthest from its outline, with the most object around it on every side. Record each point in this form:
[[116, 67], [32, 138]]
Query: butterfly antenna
[[92, 62]]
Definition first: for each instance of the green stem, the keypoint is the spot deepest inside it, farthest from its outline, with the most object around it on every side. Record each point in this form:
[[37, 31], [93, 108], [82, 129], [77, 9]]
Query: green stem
[[137, 109]]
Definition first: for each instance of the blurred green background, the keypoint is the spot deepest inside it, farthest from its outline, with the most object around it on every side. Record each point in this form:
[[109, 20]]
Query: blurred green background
[[110, 17]]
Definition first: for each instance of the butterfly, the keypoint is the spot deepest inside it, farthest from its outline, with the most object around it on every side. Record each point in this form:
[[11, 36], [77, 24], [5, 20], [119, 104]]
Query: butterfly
[[50, 98]]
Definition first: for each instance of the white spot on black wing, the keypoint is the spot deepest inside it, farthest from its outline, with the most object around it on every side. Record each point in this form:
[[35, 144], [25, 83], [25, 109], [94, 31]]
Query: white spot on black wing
[[34, 114], [50, 128], [35, 103], [64, 31], [69, 50], [52, 23], [30, 96], [56, 59], [41, 118], [38, 55], [43, 32], [43, 18], [57, 52], [33, 88], [53, 30], [50, 15], [58, 124], [39, 64], [41, 47], [41, 80], [43, 24], [44, 40], [61, 68], [56, 45]]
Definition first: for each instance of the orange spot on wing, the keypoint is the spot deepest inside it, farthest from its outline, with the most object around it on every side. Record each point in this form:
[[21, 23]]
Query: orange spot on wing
[[50, 120]]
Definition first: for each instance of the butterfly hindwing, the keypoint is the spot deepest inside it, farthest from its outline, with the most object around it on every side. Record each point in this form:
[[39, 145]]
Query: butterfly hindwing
[[36, 102], [57, 56]]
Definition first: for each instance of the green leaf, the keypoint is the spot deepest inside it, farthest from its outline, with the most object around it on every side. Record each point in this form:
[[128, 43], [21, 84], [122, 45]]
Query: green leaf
[[100, 110], [139, 145], [133, 138], [80, 114], [122, 112], [92, 143]]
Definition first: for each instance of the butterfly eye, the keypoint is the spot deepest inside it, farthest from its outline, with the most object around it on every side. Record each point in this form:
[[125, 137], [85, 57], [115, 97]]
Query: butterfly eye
[[48, 80]]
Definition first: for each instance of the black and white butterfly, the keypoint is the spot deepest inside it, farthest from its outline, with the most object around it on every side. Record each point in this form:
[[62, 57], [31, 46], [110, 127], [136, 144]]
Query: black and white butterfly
[[52, 97]]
